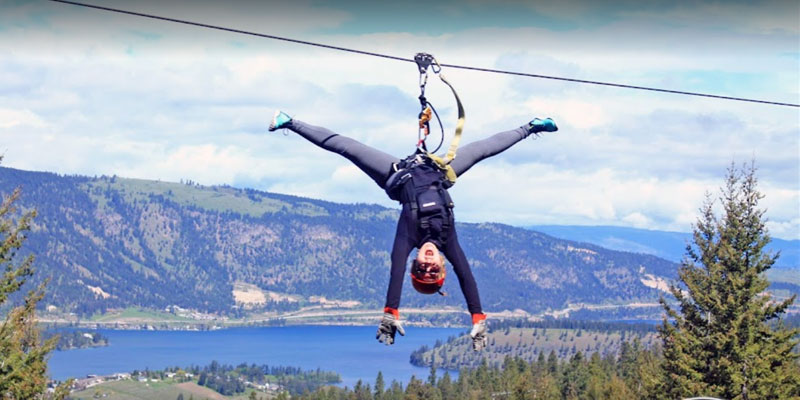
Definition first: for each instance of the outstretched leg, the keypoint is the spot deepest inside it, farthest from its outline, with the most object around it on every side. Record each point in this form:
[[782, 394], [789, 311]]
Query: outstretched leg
[[375, 163], [470, 154], [474, 152]]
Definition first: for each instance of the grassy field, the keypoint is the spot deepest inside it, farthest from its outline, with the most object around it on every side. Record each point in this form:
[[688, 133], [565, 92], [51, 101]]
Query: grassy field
[[137, 314], [163, 390], [215, 198]]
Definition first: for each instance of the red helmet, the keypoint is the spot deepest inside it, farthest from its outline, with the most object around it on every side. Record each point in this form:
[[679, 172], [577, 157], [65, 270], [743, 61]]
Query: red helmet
[[427, 278]]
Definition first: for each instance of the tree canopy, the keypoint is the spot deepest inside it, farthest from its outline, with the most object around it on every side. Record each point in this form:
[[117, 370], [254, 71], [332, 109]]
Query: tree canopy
[[23, 355], [723, 338]]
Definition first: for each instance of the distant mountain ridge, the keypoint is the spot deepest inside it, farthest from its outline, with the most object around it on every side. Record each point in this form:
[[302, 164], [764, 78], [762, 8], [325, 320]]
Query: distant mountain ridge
[[668, 245], [112, 242]]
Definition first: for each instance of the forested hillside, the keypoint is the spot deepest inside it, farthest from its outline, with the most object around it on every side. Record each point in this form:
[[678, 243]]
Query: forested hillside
[[111, 242], [529, 340]]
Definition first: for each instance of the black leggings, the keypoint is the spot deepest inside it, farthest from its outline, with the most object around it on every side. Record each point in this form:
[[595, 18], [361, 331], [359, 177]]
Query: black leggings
[[378, 166]]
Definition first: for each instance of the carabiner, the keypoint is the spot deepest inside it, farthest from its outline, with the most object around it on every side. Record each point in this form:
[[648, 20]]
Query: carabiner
[[423, 80], [435, 67]]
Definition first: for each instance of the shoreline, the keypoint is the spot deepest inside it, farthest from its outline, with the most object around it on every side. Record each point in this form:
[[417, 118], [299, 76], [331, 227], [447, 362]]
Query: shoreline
[[330, 318], [187, 320]]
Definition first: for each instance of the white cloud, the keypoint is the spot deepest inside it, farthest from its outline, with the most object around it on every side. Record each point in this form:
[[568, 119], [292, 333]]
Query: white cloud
[[531, 194], [784, 229], [10, 118], [155, 100], [637, 219], [581, 115]]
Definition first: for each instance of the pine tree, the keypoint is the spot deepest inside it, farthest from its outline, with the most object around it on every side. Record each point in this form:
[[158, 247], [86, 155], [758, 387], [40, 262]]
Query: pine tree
[[552, 363], [415, 390], [616, 389], [445, 386], [575, 377], [379, 387], [23, 355], [639, 368], [362, 391], [432, 372], [395, 391], [597, 378], [722, 340]]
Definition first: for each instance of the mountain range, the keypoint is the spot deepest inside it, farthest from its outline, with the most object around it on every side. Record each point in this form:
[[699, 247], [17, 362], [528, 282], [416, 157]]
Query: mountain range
[[664, 244], [110, 243]]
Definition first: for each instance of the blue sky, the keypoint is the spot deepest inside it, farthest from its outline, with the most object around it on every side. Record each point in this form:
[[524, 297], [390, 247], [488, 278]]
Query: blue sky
[[88, 92]]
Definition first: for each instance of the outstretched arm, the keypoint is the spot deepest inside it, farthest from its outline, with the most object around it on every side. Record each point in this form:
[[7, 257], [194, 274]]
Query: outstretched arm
[[454, 253], [375, 163]]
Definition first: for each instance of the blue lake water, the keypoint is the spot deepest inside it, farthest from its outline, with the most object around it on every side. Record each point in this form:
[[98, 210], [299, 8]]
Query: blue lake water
[[352, 351]]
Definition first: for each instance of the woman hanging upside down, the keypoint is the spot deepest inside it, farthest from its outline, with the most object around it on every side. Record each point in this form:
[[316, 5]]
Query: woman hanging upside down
[[419, 182]]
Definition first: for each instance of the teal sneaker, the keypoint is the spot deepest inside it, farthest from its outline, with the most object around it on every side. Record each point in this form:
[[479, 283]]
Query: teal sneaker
[[279, 120], [541, 125]]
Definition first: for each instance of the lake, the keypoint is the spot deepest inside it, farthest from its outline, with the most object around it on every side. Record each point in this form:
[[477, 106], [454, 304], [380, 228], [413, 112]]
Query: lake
[[352, 351]]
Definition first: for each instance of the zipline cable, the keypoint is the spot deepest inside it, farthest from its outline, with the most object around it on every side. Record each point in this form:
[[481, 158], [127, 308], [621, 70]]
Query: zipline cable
[[222, 28], [367, 53]]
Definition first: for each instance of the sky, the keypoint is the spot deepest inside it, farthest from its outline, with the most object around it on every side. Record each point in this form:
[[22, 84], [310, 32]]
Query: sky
[[89, 92]]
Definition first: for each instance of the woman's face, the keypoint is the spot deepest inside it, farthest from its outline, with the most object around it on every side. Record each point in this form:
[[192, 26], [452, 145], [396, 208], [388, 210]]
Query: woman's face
[[429, 257]]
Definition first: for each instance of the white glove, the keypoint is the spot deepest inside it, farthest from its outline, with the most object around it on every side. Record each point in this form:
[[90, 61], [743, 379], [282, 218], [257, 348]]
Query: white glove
[[478, 335], [387, 329]]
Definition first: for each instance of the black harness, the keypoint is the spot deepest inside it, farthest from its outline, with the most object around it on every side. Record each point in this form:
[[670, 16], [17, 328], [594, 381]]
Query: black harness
[[419, 183]]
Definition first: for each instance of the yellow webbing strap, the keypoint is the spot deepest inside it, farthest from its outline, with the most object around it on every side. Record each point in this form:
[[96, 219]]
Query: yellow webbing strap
[[449, 173], [444, 163], [451, 153]]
